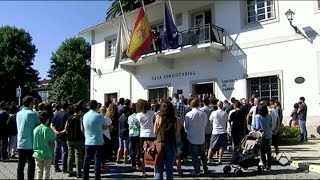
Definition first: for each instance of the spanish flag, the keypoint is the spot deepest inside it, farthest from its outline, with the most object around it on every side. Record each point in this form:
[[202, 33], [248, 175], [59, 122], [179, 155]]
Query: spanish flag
[[141, 38]]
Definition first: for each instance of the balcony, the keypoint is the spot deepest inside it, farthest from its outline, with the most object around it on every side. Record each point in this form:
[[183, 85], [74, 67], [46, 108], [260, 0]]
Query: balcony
[[194, 41]]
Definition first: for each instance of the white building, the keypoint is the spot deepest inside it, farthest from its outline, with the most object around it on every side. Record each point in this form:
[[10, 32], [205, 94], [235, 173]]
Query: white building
[[252, 48]]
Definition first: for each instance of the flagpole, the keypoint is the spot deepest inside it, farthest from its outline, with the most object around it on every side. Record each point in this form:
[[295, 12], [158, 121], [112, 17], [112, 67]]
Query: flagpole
[[124, 18], [173, 18], [142, 3]]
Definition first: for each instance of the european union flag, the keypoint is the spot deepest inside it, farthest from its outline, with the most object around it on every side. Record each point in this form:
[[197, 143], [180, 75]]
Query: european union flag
[[170, 31]]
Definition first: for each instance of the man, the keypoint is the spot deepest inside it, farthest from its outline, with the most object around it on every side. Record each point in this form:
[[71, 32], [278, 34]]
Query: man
[[252, 113], [275, 125], [58, 126], [238, 128], [120, 106], [219, 119], [4, 117], [180, 113], [195, 126], [302, 116], [208, 111], [27, 120], [93, 124]]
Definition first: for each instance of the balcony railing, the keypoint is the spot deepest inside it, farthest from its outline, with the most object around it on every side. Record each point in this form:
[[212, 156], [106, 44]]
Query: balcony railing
[[193, 36]]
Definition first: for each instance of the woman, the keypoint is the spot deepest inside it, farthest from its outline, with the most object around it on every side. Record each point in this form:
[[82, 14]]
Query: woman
[[75, 141], [107, 151], [12, 132], [112, 113], [134, 136], [263, 123], [123, 135], [166, 129], [294, 115], [145, 117]]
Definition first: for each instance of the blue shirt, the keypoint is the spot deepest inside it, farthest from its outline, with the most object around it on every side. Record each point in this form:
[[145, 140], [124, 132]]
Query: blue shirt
[[92, 124], [264, 124], [27, 121]]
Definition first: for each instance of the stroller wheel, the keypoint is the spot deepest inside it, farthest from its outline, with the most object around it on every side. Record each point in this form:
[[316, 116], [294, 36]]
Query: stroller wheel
[[227, 170], [238, 172]]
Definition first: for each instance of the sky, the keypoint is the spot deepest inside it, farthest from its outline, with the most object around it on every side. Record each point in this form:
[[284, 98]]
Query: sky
[[51, 22]]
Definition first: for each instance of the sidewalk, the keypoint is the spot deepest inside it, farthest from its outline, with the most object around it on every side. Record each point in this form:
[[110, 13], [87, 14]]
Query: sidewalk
[[305, 156]]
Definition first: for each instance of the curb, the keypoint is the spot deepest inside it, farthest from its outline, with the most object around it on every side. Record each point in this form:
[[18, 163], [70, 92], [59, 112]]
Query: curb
[[305, 166]]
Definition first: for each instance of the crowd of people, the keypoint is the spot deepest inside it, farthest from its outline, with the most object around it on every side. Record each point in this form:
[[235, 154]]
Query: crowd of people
[[76, 133]]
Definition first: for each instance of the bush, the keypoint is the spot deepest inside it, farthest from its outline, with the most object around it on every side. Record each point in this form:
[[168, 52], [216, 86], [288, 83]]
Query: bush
[[289, 132]]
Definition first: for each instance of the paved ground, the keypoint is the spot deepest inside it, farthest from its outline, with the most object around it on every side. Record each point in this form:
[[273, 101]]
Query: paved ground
[[8, 171]]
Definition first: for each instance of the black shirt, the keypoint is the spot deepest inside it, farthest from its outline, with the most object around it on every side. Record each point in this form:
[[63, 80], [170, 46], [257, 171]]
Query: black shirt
[[238, 123], [74, 132], [4, 116], [123, 127]]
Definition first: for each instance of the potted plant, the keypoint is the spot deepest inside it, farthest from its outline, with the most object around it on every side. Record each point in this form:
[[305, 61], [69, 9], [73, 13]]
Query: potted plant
[[289, 135]]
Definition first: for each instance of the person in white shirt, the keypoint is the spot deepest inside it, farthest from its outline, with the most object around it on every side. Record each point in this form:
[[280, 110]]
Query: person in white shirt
[[219, 119], [252, 113], [195, 125], [145, 117]]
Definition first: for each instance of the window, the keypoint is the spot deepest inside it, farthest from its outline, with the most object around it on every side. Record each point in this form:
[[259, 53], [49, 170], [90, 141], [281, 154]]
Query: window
[[260, 10], [265, 88], [110, 47], [111, 97], [158, 28], [158, 93], [318, 4]]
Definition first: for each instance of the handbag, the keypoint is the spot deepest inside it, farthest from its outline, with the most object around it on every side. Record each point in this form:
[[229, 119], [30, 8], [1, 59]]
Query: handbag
[[153, 152]]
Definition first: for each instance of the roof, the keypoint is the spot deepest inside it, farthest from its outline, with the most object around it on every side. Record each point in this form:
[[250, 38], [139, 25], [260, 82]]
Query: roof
[[111, 20]]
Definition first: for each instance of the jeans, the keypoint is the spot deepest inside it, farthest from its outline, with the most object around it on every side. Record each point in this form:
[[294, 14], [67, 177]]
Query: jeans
[[90, 152], [4, 146], [168, 161], [303, 130], [74, 152], [60, 146], [43, 167], [12, 148], [197, 150], [24, 156], [134, 148]]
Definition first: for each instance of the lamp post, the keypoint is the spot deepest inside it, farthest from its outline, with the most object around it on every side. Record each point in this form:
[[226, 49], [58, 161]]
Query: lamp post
[[290, 15]]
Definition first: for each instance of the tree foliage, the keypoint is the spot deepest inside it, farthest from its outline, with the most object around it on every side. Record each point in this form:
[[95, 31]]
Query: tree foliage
[[71, 56], [69, 85], [69, 71], [127, 5], [17, 54]]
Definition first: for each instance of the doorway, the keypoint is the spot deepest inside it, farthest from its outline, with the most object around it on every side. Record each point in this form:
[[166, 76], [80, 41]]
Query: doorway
[[203, 88]]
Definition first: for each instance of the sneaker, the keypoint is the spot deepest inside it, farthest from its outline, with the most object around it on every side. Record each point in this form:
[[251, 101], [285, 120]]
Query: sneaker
[[261, 163], [219, 163], [57, 170], [143, 174], [13, 157], [104, 168], [118, 162], [72, 174]]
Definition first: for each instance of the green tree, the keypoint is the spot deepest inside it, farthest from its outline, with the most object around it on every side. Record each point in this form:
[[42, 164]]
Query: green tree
[[17, 54], [69, 70], [71, 56], [69, 85], [127, 6]]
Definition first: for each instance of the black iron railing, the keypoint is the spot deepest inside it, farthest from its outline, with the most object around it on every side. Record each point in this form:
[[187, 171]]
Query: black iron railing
[[193, 36]]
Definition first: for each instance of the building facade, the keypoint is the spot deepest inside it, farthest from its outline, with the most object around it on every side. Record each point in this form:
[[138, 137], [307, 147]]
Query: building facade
[[43, 90], [229, 48]]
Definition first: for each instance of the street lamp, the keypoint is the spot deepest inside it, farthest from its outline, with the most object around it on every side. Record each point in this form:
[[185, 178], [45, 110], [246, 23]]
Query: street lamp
[[88, 62], [290, 15]]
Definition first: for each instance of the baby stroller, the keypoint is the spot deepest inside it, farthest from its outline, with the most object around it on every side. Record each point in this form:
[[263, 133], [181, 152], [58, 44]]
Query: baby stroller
[[246, 155]]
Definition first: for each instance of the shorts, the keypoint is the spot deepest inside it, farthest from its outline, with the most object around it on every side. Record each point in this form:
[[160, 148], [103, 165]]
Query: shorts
[[219, 141], [124, 143]]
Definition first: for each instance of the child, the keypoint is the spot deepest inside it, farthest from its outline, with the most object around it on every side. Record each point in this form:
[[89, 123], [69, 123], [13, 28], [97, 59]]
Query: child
[[43, 144]]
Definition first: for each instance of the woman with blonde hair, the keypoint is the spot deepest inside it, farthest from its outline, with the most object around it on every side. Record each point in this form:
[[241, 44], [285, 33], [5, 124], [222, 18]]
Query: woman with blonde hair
[[112, 113], [145, 117]]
